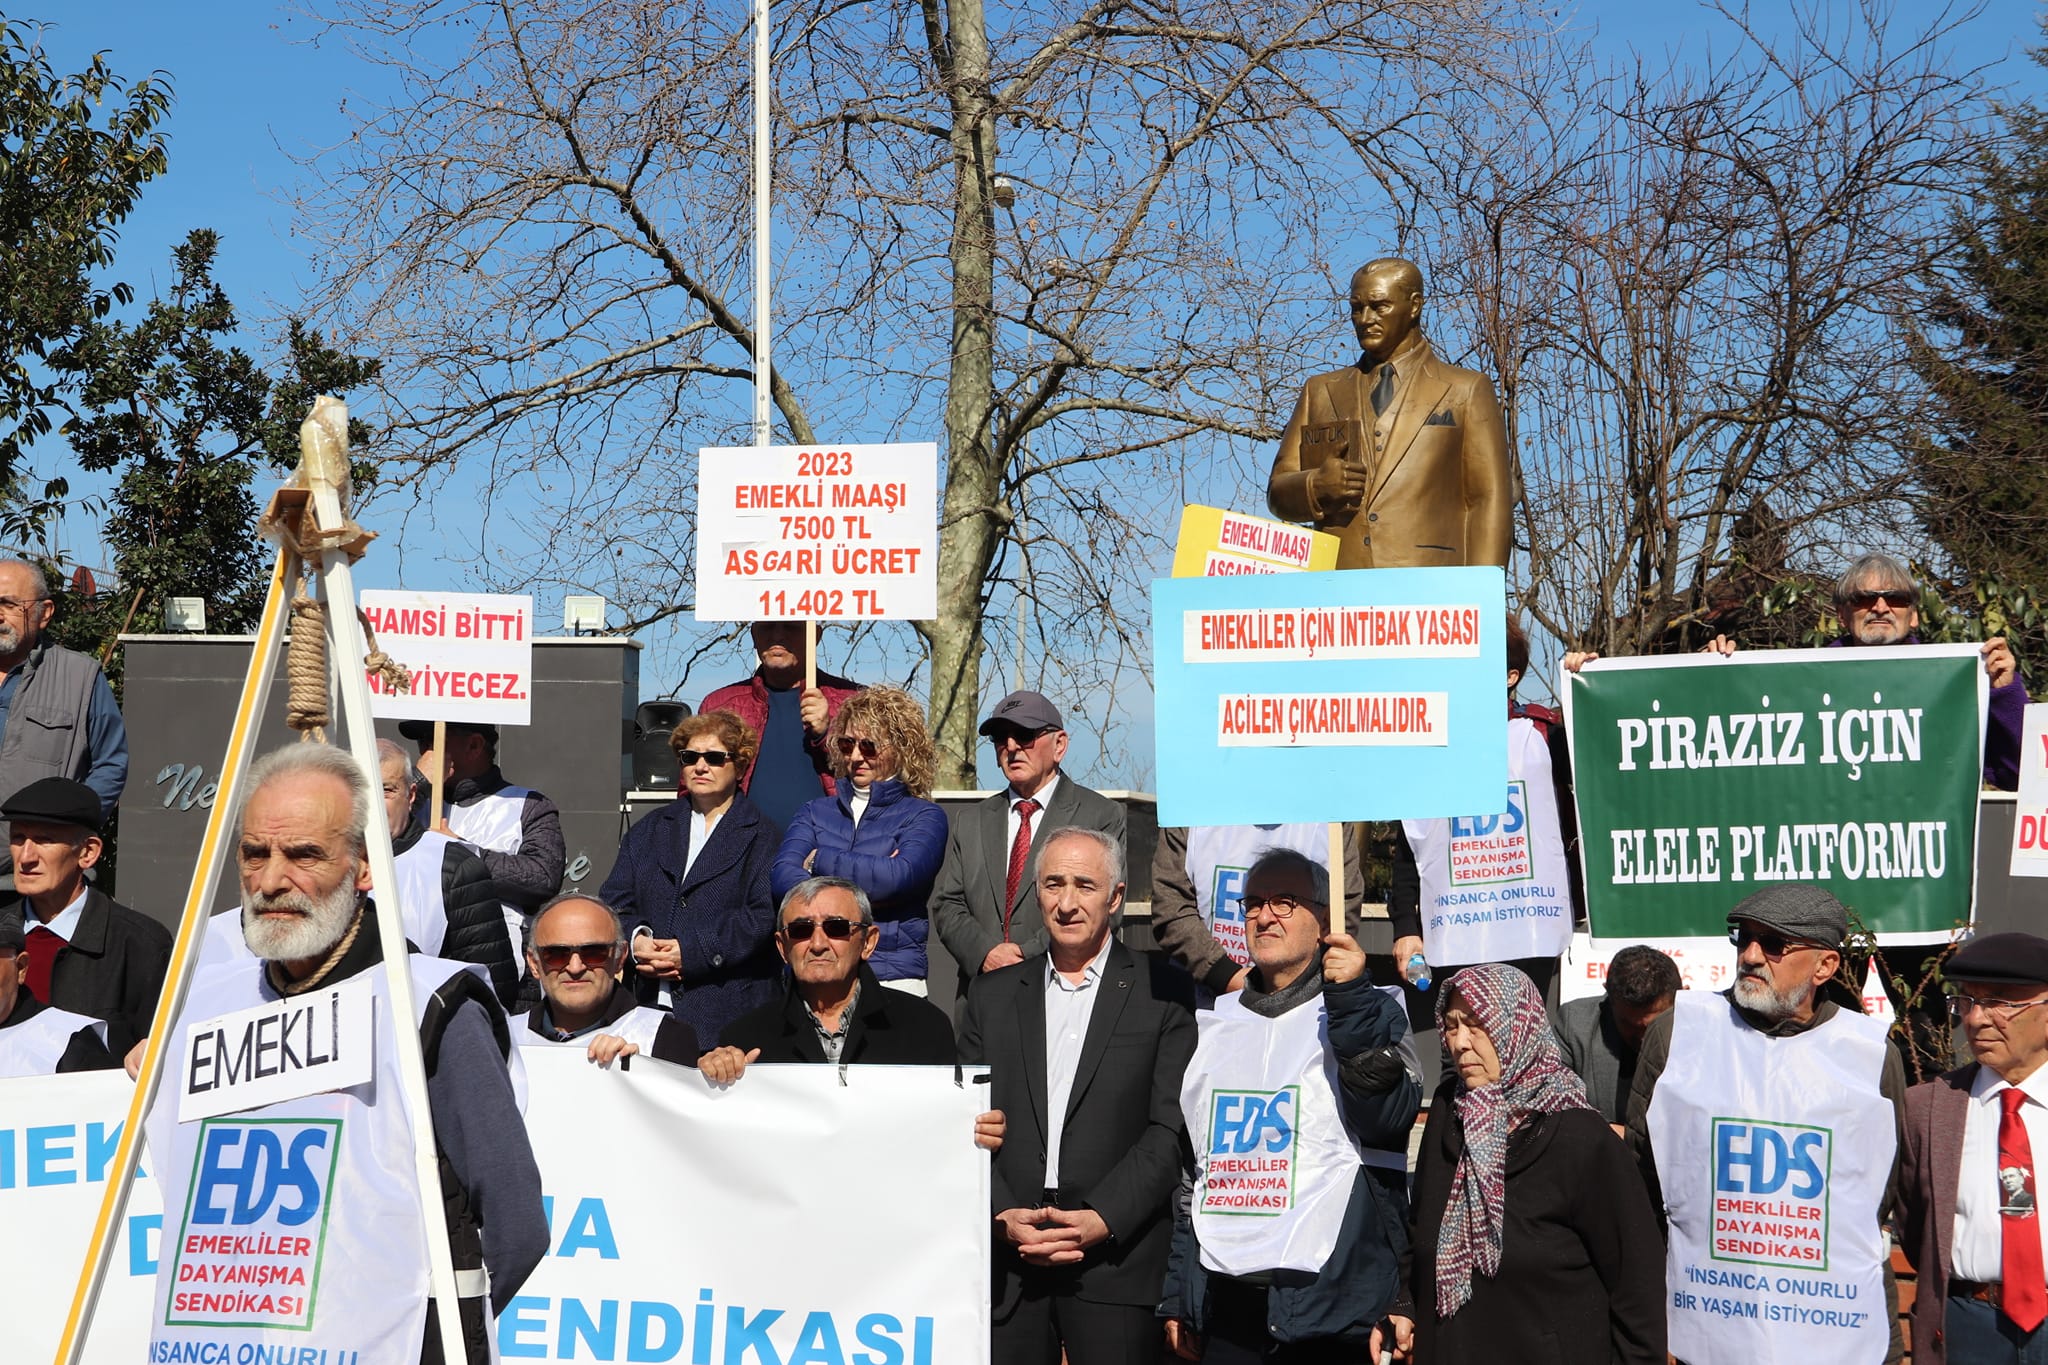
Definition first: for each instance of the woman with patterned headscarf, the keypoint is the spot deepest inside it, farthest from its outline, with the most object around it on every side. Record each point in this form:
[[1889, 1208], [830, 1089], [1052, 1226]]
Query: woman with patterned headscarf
[[1534, 1240]]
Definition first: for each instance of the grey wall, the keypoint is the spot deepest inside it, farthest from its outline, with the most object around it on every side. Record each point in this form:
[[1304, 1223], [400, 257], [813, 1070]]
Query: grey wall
[[180, 698]]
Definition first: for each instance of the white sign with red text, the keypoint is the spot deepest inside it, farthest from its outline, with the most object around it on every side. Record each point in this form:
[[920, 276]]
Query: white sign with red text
[[791, 533], [470, 654], [2030, 818]]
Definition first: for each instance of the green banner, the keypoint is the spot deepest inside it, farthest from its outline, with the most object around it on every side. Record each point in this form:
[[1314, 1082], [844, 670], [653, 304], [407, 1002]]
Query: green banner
[[1701, 779]]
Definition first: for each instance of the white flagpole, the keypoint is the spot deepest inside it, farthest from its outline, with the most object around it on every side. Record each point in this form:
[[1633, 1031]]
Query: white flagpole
[[761, 222]]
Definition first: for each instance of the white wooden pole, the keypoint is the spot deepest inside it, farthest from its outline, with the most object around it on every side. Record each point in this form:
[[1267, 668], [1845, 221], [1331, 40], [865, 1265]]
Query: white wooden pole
[[762, 227]]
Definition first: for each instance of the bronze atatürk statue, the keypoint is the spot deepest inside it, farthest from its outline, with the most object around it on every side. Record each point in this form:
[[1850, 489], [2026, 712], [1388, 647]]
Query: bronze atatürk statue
[[1402, 456]]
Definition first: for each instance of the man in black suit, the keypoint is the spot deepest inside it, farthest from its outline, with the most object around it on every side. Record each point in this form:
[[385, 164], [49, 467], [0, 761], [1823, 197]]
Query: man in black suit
[[982, 908], [1086, 1058]]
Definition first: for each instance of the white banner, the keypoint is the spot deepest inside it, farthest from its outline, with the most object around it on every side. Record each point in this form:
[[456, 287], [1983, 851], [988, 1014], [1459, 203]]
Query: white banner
[[471, 655], [2030, 819], [788, 1217], [788, 533]]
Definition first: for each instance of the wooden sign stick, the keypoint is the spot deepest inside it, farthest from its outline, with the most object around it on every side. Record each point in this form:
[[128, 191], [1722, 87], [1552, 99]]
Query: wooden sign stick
[[1338, 890], [439, 776]]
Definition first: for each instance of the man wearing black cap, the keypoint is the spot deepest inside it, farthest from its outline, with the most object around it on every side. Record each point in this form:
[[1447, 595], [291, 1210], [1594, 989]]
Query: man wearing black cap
[[86, 953], [983, 906], [518, 831], [1768, 1121], [36, 1040], [1968, 1188]]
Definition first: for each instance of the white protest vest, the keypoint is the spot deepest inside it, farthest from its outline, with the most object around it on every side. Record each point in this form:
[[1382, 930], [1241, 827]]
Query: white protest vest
[[34, 1046], [294, 1227], [1219, 855], [637, 1028], [1494, 886], [1773, 1153], [420, 903], [496, 823], [1274, 1162]]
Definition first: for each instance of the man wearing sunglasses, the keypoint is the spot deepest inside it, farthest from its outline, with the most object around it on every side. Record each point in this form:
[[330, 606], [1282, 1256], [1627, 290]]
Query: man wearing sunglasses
[[1969, 1187], [575, 948], [832, 1007], [1767, 1102], [982, 907]]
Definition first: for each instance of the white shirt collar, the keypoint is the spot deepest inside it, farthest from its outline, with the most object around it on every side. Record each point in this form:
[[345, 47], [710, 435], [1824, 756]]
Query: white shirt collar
[[65, 922], [1090, 974], [1985, 1089], [1043, 796]]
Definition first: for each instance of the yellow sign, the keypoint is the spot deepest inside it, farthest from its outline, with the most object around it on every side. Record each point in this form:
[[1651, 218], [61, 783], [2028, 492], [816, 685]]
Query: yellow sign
[[1214, 542]]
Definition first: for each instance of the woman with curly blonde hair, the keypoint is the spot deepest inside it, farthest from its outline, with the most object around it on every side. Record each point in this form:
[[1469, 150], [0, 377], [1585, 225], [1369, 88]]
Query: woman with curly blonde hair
[[880, 832]]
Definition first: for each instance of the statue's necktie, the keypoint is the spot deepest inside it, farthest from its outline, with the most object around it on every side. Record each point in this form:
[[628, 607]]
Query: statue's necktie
[[1383, 390], [2023, 1292]]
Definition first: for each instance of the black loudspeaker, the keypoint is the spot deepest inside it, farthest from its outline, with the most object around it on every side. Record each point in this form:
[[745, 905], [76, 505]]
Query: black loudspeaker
[[654, 763]]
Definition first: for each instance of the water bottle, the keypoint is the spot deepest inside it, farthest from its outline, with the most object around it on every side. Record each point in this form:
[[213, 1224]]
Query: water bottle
[[1417, 971]]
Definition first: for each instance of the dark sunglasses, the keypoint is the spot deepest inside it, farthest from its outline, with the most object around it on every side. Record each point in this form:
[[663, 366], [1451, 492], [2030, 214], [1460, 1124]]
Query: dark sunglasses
[[554, 957], [838, 928], [868, 748], [1895, 599], [689, 758], [1774, 944], [1018, 736]]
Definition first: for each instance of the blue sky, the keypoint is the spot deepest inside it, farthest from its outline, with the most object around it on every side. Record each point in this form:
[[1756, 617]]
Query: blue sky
[[257, 90]]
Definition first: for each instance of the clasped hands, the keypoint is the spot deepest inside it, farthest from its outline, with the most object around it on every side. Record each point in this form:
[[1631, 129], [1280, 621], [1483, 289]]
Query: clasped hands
[[1050, 1236]]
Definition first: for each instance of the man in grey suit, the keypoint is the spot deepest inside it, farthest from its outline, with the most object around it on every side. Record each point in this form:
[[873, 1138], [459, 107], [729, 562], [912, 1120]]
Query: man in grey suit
[[1602, 1035], [983, 907], [1968, 1166]]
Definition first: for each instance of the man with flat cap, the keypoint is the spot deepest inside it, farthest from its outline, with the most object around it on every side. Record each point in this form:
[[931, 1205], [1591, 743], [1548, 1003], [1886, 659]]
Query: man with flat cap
[[36, 1040], [1768, 1119], [1969, 1193], [86, 953], [984, 908]]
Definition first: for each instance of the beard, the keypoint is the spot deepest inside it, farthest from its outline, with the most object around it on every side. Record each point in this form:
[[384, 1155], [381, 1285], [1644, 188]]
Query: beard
[[317, 926], [11, 636], [1756, 994]]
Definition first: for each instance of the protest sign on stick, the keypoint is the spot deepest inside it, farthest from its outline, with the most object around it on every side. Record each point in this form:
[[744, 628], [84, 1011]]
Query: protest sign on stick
[[1368, 694], [470, 655], [2030, 820], [1703, 778], [791, 533], [1217, 543]]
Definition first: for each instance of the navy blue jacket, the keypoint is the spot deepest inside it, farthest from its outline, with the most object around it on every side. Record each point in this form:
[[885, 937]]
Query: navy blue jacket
[[894, 856], [722, 914], [1361, 1282]]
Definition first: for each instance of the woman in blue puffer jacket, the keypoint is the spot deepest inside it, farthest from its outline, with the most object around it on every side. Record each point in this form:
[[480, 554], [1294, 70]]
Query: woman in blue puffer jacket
[[880, 832]]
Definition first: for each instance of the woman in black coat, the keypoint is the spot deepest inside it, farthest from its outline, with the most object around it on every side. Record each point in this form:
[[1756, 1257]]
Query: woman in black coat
[[1534, 1240], [691, 885]]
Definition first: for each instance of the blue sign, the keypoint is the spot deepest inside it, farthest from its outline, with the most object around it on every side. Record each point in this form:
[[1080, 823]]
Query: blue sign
[[1362, 694]]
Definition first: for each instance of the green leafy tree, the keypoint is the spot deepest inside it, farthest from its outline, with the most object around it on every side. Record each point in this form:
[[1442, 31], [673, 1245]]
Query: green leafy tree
[[185, 419], [75, 152], [1981, 345]]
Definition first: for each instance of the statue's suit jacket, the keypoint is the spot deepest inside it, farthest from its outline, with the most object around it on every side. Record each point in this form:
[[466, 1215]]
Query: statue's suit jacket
[[1441, 492]]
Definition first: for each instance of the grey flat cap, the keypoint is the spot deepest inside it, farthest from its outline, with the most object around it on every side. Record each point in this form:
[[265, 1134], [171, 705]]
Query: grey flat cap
[[1796, 910]]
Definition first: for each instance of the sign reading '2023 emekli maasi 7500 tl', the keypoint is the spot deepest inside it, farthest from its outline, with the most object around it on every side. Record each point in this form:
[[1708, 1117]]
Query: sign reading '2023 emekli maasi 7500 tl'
[[825, 533], [1701, 779], [1366, 694]]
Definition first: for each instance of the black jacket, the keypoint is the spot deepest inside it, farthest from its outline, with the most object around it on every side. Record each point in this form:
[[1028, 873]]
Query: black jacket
[[113, 969], [673, 1040], [888, 1026], [1581, 1278], [476, 926], [1122, 1142]]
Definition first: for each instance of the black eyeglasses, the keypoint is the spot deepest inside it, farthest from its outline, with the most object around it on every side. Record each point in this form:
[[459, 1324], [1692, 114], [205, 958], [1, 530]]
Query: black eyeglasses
[[1283, 907], [554, 957], [1897, 599], [868, 748], [838, 928], [1774, 944], [690, 758]]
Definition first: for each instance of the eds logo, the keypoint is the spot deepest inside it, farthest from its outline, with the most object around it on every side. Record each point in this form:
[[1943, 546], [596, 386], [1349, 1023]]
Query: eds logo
[[1487, 849], [1226, 912], [1252, 1154], [248, 1251], [1771, 1193]]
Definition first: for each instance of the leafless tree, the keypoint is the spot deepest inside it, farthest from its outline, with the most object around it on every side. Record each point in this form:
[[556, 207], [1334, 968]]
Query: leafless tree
[[1690, 281], [544, 238]]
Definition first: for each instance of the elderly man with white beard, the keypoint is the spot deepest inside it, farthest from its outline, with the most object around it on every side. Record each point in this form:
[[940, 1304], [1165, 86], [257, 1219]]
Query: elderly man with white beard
[[295, 1217], [1775, 1105]]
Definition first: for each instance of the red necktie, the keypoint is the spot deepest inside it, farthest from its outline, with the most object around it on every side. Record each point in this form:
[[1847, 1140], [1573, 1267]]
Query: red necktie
[[2023, 1291], [43, 947], [1020, 850]]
